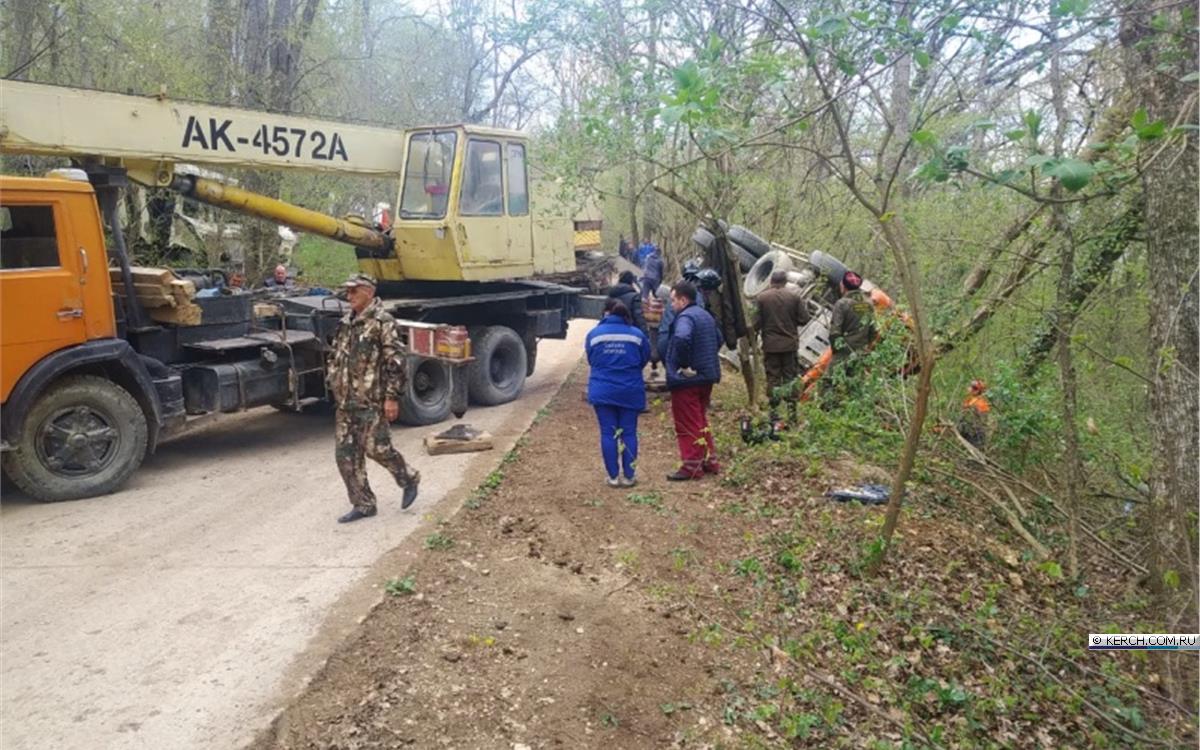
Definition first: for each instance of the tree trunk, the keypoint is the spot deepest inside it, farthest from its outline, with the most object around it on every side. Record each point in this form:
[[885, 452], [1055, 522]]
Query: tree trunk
[[1066, 365], [897, 239], [895, 234], [1157, 61], [222, 21], [23, 17], [1106, 248]]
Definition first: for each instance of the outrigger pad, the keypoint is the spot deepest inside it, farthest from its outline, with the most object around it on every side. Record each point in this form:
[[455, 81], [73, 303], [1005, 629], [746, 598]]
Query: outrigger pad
[[867, 494]]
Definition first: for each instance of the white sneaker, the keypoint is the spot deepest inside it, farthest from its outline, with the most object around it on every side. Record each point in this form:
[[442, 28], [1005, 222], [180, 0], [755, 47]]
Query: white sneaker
[[627, 481], [614, 482]]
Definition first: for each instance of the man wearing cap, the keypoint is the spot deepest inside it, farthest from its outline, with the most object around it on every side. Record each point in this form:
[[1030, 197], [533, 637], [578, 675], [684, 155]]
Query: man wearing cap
[[366, 377], [851, 323], [780, 313]]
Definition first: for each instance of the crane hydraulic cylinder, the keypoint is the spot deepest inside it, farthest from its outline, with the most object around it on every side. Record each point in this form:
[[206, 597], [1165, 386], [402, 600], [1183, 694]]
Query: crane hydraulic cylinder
[[246, 202]]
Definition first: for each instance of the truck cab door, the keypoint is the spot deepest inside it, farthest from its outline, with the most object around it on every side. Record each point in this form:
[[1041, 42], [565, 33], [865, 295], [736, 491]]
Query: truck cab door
[[482, 224], [41, 297], [516, 187]]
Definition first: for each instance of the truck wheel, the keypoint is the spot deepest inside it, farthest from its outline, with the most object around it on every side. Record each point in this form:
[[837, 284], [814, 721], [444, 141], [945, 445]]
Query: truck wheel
[[83, 437], [426, 398], [498, 373]]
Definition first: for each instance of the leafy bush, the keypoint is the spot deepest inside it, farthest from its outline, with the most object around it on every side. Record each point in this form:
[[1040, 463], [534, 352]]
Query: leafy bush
[[1027, 427]]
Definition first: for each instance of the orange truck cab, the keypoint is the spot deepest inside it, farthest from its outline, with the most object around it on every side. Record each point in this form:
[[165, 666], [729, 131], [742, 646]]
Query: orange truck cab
[[80, 408]]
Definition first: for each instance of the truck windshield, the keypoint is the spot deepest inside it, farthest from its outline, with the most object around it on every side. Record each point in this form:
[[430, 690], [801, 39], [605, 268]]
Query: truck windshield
[[427, 175]]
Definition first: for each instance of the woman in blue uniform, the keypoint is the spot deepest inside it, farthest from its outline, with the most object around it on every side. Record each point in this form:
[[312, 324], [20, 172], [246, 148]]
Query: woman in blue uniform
[[617, 351]]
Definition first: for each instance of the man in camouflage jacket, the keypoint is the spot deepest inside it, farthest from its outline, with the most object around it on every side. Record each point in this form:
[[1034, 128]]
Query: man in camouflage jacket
[[851, 333], [366, 376]]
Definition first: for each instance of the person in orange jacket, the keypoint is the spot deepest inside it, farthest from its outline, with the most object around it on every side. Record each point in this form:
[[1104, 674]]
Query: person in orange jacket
[[973, 422]]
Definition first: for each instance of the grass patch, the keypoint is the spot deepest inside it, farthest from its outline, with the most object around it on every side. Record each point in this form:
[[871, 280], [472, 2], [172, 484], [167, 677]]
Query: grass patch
[[438, 541], [323, 262], [401, 586], [652, 499]]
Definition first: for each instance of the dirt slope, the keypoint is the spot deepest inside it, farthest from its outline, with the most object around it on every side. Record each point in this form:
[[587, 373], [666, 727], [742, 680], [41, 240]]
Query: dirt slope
[[553, 611], [524, 626]]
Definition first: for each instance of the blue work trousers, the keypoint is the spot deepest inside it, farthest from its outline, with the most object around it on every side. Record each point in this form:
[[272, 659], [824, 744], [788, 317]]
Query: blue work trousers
[[618, 433]]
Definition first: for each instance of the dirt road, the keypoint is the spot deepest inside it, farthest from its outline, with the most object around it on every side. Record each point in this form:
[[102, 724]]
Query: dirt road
[[184, 610]]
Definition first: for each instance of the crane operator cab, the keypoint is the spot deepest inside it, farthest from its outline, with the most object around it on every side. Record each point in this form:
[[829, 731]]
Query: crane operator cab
[[465, 212]]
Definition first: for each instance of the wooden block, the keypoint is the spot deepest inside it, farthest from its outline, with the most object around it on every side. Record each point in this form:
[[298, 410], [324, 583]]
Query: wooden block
[[182, 290], [436, 446], [146, 275], [182, 315], [146, 289]]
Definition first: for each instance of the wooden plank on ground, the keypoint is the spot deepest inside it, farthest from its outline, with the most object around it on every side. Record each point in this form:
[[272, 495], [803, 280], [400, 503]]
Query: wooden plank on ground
[[438, 446]]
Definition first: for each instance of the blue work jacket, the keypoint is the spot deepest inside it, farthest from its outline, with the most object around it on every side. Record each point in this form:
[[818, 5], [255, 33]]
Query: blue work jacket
[[617, 352]]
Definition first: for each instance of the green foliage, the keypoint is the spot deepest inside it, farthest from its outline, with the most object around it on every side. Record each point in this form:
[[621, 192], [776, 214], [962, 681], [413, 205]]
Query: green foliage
[[323, 262], [652, 499], [1026, 418], [438, 541], [401, 586], [855, 408]]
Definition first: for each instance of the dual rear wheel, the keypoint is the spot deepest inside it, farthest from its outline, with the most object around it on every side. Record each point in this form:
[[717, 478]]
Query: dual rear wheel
[[497, 376]]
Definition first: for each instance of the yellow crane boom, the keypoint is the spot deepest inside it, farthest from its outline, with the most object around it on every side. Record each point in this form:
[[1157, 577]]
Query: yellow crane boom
[[463, 208], [63, 121]]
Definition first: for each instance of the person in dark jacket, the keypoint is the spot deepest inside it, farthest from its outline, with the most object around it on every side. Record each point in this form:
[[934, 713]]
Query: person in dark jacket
[[652, 270], [627, 294], [617, 351], [625, 250], [780, 313], [692, 369], [691, 273]]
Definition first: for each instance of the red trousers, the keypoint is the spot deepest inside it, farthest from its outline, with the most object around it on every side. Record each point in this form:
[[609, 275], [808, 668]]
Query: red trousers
[[689, 407]]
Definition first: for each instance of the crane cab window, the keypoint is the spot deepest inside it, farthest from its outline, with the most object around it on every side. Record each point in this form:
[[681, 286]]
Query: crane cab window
[[482, 191], [518, 185], [27, 238], [427, 175]]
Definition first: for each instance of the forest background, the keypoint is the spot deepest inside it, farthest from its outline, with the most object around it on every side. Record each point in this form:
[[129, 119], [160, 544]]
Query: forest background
[[1022, 174]]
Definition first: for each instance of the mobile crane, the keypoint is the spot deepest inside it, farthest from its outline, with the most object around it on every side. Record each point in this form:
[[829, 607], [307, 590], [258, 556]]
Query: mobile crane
[[89, 383]]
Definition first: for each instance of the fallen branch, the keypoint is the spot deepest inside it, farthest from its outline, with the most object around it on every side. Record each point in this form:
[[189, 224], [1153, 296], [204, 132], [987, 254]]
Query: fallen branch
[[999, 473], [1013, 520], [1095, 709]]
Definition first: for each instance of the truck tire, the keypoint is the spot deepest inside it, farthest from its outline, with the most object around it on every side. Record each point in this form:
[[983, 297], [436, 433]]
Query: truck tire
[[755, 245], [83, 437], [746, 259], [426, 398], [498, 373], [705, 239]]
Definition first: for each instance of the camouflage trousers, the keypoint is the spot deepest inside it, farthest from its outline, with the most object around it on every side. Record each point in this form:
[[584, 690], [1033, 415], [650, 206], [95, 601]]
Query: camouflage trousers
[[360, 433], [781, 369]]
